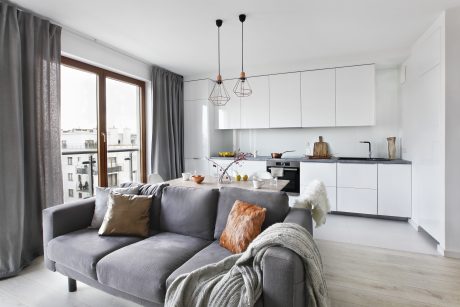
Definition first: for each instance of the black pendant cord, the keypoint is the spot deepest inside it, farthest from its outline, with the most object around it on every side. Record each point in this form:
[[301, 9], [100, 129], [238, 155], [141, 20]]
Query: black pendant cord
[[242, 46], [218, 48]]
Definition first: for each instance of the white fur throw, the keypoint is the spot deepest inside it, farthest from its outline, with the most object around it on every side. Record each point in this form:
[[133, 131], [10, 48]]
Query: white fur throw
[[314, 197]]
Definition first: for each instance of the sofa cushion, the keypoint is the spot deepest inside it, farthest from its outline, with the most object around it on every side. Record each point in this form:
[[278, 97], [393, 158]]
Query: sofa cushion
[[156, 191], [211, 254], [244, 224], [127, 215], [276, 203], [189, 211], [102, 199], [82, 249], [141, 269]]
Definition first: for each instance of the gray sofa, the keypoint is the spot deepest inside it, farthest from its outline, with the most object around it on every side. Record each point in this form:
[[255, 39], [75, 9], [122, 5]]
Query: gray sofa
[[186, 224]]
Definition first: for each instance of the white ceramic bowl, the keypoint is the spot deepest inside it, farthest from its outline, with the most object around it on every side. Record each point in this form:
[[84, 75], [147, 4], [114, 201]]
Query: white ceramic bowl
[[257, 183], [186, 176]]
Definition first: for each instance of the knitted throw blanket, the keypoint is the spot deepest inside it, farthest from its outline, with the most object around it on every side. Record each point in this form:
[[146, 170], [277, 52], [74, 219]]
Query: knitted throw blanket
[[237, 279]]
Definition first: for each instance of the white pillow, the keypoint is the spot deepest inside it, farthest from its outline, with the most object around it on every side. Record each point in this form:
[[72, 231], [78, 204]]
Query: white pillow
[[102, 198]]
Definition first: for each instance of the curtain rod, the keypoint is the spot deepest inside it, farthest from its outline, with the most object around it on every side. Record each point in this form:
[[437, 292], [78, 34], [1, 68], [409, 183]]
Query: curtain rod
[[78, 33]]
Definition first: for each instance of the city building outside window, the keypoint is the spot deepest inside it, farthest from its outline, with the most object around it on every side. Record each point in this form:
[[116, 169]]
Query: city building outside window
[[112, 180]]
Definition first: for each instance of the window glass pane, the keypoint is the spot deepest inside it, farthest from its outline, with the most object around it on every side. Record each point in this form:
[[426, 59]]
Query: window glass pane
[[79, 132], [123, 126]]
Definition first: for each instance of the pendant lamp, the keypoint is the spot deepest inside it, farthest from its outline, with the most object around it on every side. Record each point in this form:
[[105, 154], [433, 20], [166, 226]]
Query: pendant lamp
[[219, 95], [242, 87]]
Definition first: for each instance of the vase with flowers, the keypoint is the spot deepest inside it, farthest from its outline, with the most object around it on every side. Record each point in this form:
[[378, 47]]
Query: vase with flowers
[[223, 175]]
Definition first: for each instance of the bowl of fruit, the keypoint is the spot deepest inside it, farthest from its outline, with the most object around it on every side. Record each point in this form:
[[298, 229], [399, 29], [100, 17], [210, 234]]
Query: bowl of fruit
[[198, 179], [226, 154]]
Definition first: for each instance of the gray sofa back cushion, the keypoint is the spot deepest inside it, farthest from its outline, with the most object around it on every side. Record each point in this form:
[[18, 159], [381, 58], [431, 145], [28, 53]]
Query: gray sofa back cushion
[[189, 211], [276, 203], [155, 190]]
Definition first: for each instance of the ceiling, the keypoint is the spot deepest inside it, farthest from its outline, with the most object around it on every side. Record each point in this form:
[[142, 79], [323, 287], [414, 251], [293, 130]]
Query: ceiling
[[182, 36]]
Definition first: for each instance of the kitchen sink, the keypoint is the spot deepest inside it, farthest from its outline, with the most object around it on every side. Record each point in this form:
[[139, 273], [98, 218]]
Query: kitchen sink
[[362, 159]]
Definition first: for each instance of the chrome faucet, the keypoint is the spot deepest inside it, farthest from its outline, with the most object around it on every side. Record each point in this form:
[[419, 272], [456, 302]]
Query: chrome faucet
[[370, 148]]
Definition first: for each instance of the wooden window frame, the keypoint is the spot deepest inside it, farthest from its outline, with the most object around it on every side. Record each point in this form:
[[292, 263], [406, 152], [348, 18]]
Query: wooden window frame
[[102, 75]]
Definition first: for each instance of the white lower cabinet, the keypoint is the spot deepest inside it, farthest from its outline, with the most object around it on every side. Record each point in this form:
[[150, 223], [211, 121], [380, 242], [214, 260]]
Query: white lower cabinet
[[331, 196], [394, 186], [251, 168], [357, 188], [353, 200], [325, 172]]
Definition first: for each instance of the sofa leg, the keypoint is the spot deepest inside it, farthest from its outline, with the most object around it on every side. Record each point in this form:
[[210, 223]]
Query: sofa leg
[[72, 285]]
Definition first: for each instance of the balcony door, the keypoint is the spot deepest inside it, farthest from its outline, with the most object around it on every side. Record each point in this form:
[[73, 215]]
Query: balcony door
[[103, 129]]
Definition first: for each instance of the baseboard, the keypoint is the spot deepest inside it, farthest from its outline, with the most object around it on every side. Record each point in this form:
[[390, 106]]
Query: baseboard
[[452, 254], [414, 224], [441, 250]]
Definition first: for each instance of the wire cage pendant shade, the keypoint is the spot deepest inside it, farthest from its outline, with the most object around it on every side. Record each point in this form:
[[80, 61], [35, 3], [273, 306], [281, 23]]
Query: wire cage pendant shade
[[242, 87], [219, 95]]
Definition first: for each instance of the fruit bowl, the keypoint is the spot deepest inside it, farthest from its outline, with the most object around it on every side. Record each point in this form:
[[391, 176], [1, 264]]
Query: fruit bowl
[[226, 154], [198, 178]]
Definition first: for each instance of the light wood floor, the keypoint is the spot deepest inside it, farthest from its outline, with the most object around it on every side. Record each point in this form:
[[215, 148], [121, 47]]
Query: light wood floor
[[367, 276], [356, 276]]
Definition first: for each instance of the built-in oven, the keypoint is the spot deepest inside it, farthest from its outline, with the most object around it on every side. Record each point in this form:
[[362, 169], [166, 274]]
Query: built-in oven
[[290, 171]]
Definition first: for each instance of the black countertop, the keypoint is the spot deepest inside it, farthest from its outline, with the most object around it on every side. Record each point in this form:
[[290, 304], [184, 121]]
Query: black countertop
[[331, 160]]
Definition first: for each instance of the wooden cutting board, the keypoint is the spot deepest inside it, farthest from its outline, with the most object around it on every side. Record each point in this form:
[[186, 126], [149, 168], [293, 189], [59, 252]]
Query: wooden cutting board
[[320, 150]]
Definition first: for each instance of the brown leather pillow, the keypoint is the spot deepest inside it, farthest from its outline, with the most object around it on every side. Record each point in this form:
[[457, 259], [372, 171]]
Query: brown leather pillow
[[127, 215], [244, 224]]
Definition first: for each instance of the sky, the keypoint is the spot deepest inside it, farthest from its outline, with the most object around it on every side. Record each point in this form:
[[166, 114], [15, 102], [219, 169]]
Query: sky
[[79, 101]]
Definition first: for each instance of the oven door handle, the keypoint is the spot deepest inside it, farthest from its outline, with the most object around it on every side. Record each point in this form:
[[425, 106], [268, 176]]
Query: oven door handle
[[284, 168]]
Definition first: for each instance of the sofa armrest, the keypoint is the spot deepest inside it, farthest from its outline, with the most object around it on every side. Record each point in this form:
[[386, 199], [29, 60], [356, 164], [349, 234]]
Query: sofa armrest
[[301, 217], [65, 218], [283, 278]]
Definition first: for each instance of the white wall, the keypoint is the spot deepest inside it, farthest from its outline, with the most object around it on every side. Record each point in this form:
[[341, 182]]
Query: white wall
[[90, 51], [343, 141], [452, 132], [93, 52], [423, 129]]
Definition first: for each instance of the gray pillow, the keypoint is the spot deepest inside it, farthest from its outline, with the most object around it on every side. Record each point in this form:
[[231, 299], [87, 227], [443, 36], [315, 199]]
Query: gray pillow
[[102, 198]]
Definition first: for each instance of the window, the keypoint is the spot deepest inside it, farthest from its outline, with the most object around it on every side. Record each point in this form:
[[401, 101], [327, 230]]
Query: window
[[113, 180], [70, 177], [112, 161], [80, 195], [70, 192], [90, 144], [103, 125]]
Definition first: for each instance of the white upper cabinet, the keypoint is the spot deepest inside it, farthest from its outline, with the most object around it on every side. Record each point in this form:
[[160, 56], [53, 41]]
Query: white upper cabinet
[[255, 109], [229, 116], [196, 90], [355, 96], [285, 106], [318, 98]]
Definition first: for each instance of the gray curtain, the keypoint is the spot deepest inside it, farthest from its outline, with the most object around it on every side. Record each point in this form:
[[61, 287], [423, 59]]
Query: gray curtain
[[168, 123], [30, 162]]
